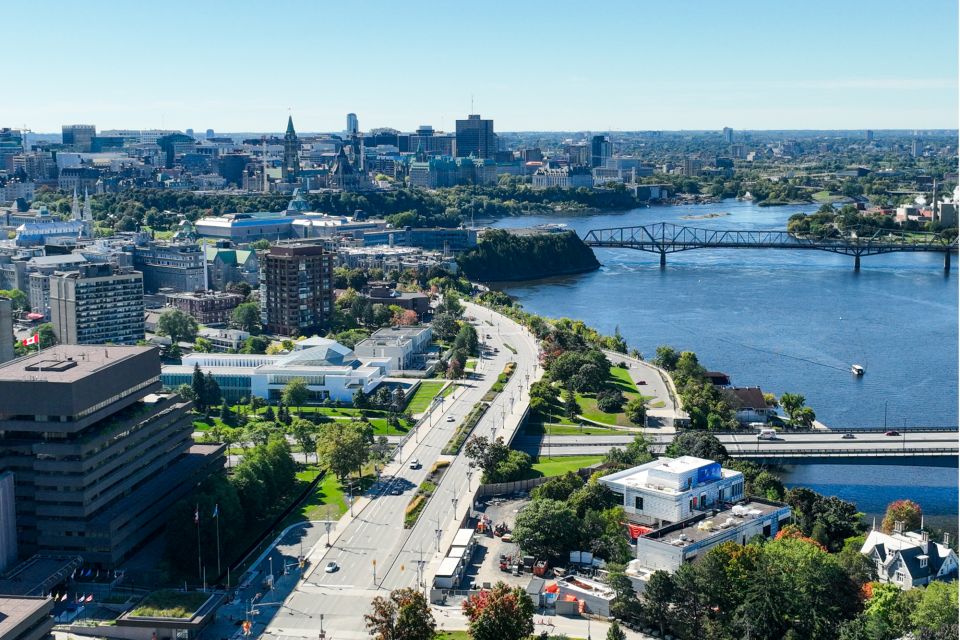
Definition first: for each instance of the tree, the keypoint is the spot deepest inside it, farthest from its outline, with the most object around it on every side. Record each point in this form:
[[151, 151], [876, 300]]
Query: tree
[[636, 411], [610, 400], [344, 446], [592, 496], [546, 529], [445, 326], [198, 385], [48, 336], [296, 393], [403, 615], [656, 600], [699, 444], [937, 609], [666, 358], [202, 345], [558, 487], [626, 606], [211, 391], [246, 317], [304, 433], [768, 486], [501, 613], [486, 453], [570, 406], [255, 344], [906, 511], [180, 326], [615, 632], [360, 400]]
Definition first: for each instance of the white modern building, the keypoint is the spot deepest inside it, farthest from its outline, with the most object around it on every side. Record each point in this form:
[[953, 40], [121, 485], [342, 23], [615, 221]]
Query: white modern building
[[331, 371], [909, 559], [404, 347], [670, 490], [223, 339], [680, 508]]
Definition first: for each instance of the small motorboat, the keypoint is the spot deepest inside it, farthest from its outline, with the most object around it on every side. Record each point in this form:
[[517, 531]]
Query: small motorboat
[[857, 370]]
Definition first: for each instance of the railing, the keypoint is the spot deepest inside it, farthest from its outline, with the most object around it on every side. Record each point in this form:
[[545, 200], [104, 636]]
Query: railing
[[666, 237], [855, 453]]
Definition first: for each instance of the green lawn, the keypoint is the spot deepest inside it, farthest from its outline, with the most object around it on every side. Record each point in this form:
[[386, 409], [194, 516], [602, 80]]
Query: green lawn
[[424, 394], [549, 467], [471, 364], [328, 499], [619, 379]]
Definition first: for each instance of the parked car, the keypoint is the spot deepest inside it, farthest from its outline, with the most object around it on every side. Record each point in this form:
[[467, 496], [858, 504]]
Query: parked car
[[331, 567], [395, 490], [641, 382], [892, 433]]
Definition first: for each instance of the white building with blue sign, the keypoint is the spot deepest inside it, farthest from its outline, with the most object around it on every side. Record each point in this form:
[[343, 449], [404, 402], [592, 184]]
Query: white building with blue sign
[[674, 489]]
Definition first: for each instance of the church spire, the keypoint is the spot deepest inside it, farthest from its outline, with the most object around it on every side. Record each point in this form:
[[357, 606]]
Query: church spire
[[290, 129], [75, 207], [291, 153]]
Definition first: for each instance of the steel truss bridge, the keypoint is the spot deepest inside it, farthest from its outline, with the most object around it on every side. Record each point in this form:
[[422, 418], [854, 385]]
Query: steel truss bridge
[[666, 237]]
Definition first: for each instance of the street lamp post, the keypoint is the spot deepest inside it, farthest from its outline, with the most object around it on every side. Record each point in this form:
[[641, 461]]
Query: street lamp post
[[439, 533]]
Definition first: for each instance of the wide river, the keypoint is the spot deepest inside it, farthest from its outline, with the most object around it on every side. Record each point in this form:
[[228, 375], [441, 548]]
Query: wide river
[[785, 321]]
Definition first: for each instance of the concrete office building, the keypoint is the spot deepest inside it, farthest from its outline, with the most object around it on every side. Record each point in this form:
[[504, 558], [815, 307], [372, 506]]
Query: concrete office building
[[404, 347], [170, 266], [475, 137], [601, 150], [79, 136], [6, 331], [26, 617], [296, 288], [97, 304], [99, 454], [8, 521]]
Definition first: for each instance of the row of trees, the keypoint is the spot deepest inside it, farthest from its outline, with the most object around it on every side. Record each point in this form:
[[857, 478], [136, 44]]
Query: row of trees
[[257, 489], [497, 461], [707, 406]]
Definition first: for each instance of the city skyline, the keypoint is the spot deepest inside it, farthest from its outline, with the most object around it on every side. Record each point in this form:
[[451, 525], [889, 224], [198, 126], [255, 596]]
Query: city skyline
[[637, 67]]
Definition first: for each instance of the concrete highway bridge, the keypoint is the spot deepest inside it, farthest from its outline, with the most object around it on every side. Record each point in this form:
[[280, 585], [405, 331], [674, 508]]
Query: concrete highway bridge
[[665, 237], [934, 446]]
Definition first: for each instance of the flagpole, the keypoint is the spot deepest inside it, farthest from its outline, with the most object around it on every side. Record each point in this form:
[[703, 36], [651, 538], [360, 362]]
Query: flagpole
[[217, 509], [199, 561]]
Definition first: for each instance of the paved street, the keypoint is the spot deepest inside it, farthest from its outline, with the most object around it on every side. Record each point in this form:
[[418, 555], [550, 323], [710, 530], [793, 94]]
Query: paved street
[[374, 538], [749, 444]]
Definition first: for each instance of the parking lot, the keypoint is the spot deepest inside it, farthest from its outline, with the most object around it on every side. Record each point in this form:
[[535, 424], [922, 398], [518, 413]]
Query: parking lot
[[485, 567]]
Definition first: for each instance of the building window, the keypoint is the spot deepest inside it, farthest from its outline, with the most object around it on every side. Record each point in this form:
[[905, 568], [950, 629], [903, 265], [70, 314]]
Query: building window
[[899, 576], [923, 561], [638, 503]]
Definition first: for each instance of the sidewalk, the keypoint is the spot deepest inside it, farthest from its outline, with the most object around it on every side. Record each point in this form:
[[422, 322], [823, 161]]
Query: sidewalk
[[453, 619]]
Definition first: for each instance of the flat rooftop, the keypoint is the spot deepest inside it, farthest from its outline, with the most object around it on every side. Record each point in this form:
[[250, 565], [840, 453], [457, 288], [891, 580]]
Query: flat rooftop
[[702, 528], [16, 611], [66, 363], [37, 574]]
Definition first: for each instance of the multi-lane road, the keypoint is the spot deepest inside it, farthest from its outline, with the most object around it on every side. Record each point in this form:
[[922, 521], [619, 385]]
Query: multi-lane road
[[373, 550], [813, 444]]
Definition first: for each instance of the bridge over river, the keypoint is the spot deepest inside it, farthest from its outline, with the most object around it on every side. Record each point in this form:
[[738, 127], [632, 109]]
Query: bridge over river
[[665, 237], [931, 446]]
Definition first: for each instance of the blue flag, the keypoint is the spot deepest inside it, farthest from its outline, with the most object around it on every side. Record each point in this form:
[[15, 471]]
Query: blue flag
[[216, 510]]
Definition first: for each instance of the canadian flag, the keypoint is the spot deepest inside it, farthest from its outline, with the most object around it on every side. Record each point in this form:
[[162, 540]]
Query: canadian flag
[[34, 339]]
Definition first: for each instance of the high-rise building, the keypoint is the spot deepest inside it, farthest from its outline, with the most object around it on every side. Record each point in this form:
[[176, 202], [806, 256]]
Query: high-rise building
[[728, 135], [296, 288], [601, 149], [210, 134], [99, 484], [869, 135], [291, 153], [79, 136], [12, 144], [97, 304], [177, 266], [6, 329], [476, 137], [353, 124]]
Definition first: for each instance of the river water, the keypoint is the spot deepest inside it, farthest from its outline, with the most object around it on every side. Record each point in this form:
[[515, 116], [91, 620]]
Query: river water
[[785, 321]]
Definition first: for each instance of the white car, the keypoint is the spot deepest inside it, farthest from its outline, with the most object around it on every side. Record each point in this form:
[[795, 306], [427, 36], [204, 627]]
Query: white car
[[331, 567], [451, 419], [414, 464]]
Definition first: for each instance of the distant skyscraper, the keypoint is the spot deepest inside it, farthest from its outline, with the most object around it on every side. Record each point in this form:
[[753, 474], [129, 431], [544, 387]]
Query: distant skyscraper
[[353, 125], [915, 148], [79, 136], [727, 135], [601, 149], [210, 133], [476, 137], [869, 135], [189, 132], [291, 153]]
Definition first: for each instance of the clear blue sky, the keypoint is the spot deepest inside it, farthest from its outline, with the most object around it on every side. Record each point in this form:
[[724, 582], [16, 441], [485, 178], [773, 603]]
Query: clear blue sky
[[239, 65]]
